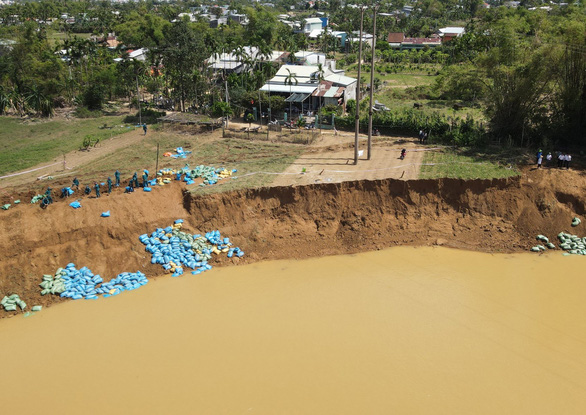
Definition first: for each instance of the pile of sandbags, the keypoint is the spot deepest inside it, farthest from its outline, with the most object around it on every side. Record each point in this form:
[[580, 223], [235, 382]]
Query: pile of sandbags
[[37, 198], [175, 249], [53, 284], [80, 283], [10, 302], [209, 174], [572, 244], [127, 281], [83, 283]]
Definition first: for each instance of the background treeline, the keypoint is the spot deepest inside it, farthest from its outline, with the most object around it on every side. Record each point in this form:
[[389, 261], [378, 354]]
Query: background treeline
[[526, 69]]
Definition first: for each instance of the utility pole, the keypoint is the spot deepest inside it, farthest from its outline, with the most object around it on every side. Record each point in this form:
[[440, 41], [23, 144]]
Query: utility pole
[[357, 117], [375, 10]]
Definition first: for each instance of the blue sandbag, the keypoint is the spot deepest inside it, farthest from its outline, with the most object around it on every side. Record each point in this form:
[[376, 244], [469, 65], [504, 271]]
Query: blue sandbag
[[147, 189], [75, 205], [105, 214]]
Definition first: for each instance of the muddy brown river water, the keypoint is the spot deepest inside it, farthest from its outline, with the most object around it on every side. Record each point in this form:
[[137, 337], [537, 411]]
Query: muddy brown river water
[[398, 331]]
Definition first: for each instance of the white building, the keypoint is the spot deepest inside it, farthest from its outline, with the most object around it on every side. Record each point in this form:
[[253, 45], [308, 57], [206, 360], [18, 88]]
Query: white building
[[237, 62], [312, 24]]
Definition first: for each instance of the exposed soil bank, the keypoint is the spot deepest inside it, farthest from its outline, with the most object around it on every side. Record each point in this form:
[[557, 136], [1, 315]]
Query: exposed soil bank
[[289, 222], [501, 215]]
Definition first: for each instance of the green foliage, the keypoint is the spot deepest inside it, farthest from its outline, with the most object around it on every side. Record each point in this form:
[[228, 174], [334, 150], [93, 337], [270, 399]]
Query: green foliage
[[147, 115], [221, 109], [440, 128], [328, 110], [93, 97], [84, 112]]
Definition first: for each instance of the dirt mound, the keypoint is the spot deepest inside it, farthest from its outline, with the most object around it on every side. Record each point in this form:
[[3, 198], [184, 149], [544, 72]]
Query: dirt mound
[[36, 242], [289, 222]]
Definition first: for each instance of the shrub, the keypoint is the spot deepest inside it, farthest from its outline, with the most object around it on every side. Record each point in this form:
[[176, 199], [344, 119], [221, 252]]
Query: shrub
[[148, 116]]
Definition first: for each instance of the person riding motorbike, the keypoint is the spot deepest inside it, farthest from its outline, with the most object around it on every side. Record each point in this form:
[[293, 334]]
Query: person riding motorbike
[[403, 152]]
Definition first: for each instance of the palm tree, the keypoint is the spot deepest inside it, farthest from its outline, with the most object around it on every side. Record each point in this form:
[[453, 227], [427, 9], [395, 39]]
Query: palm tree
[[289, 80]]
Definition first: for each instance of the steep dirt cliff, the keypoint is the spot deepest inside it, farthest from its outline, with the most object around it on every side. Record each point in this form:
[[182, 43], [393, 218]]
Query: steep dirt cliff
[[289, 222]]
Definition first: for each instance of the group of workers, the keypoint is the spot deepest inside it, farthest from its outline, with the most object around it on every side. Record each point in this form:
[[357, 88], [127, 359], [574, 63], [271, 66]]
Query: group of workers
[[563, 159], [133, 183]]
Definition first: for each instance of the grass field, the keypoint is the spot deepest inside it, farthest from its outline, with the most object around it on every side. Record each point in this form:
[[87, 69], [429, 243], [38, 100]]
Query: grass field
[[244, 155], [25, 144], [55, 37], [468, 164]]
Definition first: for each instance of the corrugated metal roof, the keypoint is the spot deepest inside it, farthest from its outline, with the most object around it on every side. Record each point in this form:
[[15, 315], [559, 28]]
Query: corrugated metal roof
[[335, 92], [288, 89], [297, 97], [340, 79]]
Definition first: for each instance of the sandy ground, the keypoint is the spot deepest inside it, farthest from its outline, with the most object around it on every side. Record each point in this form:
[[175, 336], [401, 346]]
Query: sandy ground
[[331, 160]]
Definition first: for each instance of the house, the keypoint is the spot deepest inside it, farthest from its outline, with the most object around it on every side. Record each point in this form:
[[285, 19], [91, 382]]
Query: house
[[399, 41], [312, 24], [138, 54], [450, 32], [367, 38], [236, 62], [347, 82], [305, 57], [328, 94], [112, 41]]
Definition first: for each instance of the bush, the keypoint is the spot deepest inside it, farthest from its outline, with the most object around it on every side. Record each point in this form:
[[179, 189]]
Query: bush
[[148, 116], [221, 109], [93, 97], [83, 112]]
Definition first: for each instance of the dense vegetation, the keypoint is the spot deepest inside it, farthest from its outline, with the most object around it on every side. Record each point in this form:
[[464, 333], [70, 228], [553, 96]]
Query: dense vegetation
[[525, 69]]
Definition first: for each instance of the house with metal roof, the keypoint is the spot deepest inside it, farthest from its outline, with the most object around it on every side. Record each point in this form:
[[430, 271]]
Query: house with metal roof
[[309, 88], [451, 32], [399, 41]]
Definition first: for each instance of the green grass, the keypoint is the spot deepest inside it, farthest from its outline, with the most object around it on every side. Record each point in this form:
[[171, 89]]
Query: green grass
[[468, 164], [24, 144], [247, 157], [54, 37], [243, 155]]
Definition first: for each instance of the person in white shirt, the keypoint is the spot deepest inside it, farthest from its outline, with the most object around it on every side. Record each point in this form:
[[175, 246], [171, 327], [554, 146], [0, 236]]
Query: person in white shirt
[[568, 159]]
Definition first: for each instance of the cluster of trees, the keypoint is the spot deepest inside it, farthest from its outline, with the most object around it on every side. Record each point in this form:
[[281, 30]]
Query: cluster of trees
[[528, 69], [35, 76]]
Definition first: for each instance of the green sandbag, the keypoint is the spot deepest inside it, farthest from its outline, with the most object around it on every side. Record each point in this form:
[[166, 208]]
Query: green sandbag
[[37, 308], [550, 245], [22, 305], [535, 249], [45, 292], [10, 308], [543, 238], [576, 221]]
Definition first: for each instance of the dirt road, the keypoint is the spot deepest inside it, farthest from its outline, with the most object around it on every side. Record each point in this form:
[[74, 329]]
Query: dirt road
[[331, 160]]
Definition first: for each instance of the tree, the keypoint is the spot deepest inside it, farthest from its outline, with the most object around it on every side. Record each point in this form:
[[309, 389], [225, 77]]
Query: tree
[[184, 55], [290, 79]]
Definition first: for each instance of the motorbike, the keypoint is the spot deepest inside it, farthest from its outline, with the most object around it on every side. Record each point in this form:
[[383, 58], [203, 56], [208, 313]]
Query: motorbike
[[403, 152]]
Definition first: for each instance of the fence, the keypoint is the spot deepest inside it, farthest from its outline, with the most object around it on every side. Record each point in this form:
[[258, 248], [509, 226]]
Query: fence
[[274, 134]]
